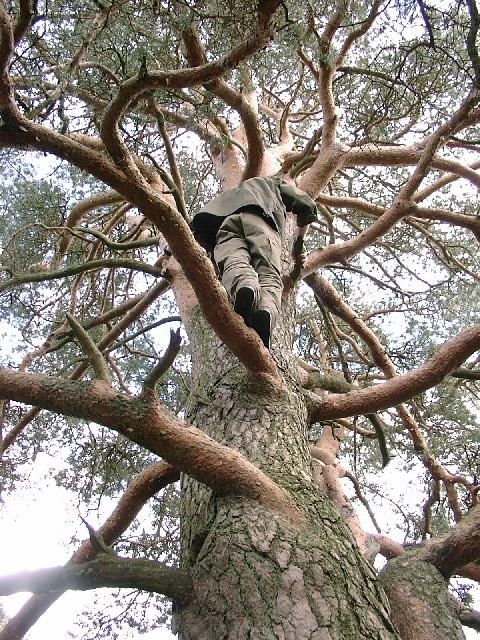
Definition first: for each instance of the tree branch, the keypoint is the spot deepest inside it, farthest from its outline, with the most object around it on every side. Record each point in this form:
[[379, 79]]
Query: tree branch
[[464, 373], [234, 99], [118, 246], [402, 206], [140, 332], [144, 486], [104, 571], [358, 33], [172, 161], [470, 618], [42, 276], [403, 387], [182, 78], [389, 549], [145, 421], [472, 39], [7, 44], [457, 548], [91, 350], [24, 19], [426, 213]]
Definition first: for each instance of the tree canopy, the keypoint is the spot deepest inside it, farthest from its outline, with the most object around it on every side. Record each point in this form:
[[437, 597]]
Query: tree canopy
[[118, 121]]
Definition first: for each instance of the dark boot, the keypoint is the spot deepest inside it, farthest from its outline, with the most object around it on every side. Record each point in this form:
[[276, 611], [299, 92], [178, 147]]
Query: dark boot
[[262, 323], [244, 304]]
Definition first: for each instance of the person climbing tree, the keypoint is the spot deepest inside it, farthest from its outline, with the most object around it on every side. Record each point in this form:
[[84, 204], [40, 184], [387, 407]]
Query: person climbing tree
[[244, 228]]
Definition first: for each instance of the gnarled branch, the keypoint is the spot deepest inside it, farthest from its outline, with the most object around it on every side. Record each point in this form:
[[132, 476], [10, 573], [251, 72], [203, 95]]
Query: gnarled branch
[[145, 421]]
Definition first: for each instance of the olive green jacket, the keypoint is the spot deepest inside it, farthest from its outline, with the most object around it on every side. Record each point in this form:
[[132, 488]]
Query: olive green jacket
[[270, 197]]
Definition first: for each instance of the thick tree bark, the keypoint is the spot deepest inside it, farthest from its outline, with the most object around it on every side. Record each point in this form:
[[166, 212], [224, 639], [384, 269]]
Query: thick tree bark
[[255, 574]]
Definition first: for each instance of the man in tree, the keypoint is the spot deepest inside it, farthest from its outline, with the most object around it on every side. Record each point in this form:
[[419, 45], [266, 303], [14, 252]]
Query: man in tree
[[244, 227]]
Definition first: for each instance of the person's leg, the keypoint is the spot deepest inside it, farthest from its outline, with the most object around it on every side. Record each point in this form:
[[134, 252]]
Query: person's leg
[[265, 248], [232, 256]]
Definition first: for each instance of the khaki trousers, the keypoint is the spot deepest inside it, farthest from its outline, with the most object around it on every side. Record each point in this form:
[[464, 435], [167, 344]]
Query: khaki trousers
[[247, 253]]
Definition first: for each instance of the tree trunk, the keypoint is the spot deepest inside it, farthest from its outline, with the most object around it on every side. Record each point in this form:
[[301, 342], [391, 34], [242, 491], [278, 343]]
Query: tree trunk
[[255, 574]]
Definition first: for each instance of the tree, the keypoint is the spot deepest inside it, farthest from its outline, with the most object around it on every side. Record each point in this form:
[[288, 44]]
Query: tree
[[152, 108]]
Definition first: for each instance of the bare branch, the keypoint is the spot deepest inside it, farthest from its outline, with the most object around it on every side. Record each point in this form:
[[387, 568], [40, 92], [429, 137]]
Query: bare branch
[[165, 361], [358, 33], [403, 387], [465, 373], [234, 99], [425, 213], [177, 178], [391, 549], [118, 246], [140, 332], [91, 350], [472, 40], [76, 215], [458, 547], [470, 618], [41, 276], [103, 571], [403, 205], [445, 180], [24, 19], [7, 44], [96, 540]]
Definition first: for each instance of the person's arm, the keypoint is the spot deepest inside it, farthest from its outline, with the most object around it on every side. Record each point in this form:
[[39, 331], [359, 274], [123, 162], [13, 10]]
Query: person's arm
[[298, 249], [306, 211], [300, 203]]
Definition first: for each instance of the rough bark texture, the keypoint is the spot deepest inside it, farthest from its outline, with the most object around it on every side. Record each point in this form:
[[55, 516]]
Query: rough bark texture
[[418, 587], [256, 575]]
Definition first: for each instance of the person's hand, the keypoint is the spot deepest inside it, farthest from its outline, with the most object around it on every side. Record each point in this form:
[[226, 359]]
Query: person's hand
[[298, 252]]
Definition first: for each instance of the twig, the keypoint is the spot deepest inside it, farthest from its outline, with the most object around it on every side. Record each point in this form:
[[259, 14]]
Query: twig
[[165, 361], [175, 191], [91, 350], [140, 332], [96, 540], [361, 497]]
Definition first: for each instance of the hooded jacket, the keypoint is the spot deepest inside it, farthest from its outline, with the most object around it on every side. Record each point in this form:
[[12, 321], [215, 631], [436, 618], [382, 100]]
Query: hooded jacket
[[270, 197]]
